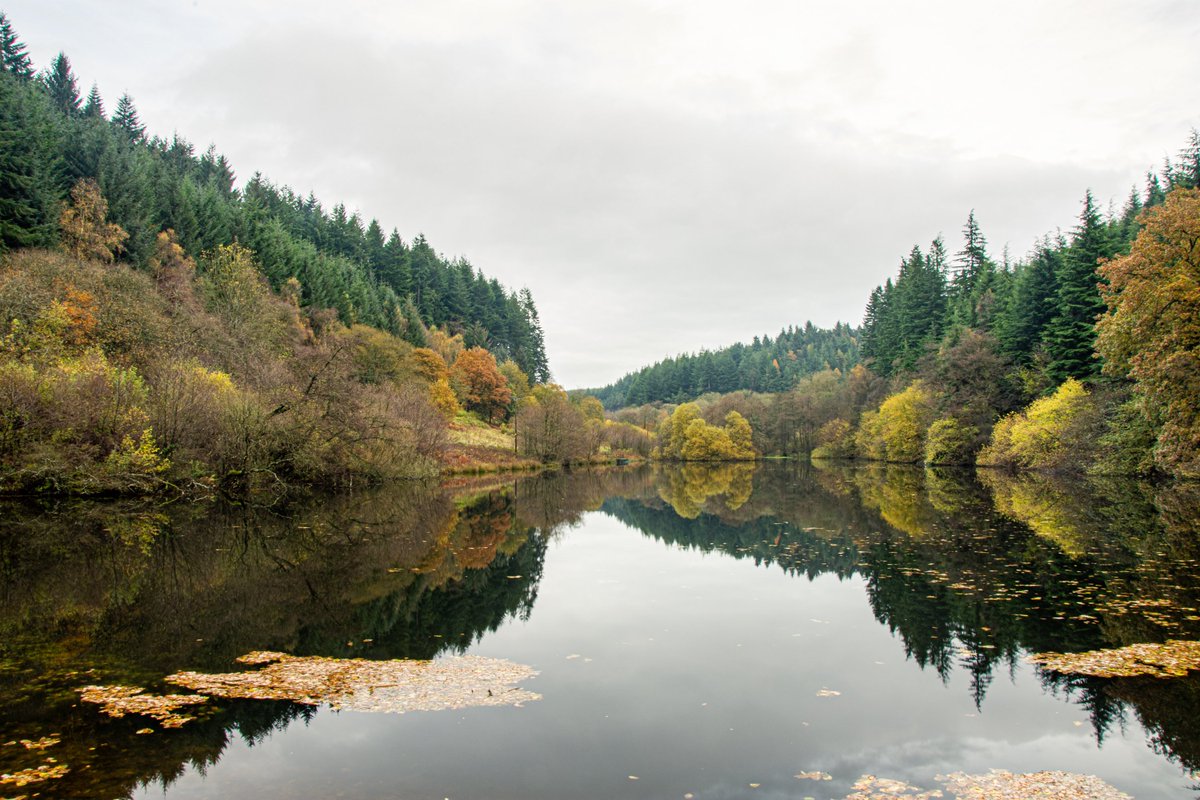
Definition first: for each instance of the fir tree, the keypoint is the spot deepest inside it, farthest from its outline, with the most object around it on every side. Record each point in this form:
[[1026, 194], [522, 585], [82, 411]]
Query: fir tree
[[1072, 333], [94, 107], [126, 119], [28, 166], [13, 58], [62, 86], [538, 369]]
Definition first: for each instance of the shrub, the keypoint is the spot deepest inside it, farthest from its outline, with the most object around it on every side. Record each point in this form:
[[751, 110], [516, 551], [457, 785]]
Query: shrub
[[1053, 433], [951, 441]]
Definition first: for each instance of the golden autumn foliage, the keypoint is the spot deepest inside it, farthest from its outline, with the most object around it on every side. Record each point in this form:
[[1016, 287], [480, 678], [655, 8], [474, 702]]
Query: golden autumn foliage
[[113, 380], [86, 232], [896, 432], [432, 369], [685, 436], [1041, 436], [1151, 332], [950, 441]]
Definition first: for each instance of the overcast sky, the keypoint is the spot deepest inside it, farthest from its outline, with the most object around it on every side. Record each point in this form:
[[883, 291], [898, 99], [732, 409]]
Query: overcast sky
[[664, 176]]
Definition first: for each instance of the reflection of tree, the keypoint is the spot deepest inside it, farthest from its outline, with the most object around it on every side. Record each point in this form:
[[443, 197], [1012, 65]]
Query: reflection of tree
[[950, 569], [402, 572], [413, 571], [690, 486]]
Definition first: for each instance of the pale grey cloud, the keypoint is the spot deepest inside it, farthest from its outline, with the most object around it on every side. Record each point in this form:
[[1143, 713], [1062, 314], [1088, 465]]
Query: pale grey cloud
[[663, 176]]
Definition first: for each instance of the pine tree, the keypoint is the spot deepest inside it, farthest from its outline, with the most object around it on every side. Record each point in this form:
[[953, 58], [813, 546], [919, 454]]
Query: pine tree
[[971, 259], [94, 107], [126, 119], [539, 368], [1071, 335], [1034, 302], [13, 58], [28, 166], [62, 86], [1187, 172]]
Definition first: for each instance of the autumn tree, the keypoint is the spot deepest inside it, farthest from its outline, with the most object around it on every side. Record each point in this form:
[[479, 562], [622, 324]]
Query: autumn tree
[[86, 232], [549, 427], [432, 368], [479, 384], [1151, 331]]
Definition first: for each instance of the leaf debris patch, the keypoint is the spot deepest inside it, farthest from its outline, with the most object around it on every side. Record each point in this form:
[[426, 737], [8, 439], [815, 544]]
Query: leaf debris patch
[[356, 684]]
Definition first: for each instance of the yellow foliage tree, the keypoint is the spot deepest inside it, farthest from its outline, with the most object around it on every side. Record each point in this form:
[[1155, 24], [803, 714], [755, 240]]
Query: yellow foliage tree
[[741, 437], [86, 232], [1044, 436]]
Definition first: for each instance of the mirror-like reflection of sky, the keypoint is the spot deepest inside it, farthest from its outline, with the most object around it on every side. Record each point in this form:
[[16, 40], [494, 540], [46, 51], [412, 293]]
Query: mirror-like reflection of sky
[[694, 672], [699, 629]]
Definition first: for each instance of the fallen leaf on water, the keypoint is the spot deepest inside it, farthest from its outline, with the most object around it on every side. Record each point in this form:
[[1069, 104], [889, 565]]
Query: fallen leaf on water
[[869, 787], [42, 743], [1173, 659], [45, 772], [117, 701], [1001, 785], [357, 684], [815, 775]]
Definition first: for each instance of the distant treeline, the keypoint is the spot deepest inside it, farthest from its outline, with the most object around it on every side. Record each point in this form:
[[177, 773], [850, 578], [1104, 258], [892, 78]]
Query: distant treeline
[[53, 137], [764, 365]]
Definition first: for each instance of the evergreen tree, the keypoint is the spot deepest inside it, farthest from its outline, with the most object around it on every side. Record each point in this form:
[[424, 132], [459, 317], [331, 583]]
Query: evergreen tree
[[94, 107], [13, 58], [970, 261], [28, 166], [62, 86], [538, 368], [1071, 335], [126, 119], [1187, 172], [1034, 302]]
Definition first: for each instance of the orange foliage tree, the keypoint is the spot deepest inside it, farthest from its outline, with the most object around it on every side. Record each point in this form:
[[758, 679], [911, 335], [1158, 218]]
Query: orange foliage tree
[[479, 384], [1151, 332]]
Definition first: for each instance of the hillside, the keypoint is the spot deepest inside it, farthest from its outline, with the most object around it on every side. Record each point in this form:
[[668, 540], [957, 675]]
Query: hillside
[[764, 365], [353, 267]]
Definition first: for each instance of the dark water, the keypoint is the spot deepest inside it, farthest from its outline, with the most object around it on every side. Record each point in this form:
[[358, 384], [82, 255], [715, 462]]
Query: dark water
[[700, 629]]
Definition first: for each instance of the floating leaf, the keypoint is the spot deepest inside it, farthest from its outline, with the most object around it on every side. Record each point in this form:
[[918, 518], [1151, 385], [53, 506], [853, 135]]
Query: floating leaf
[[1172, 659], [358, 684], [117, 701], [813, 776], [1001, 785], [45, 772]]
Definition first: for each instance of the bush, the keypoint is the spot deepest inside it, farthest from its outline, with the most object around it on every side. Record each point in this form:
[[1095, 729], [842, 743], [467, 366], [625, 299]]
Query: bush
[[950, 441], [835, 439], [1053, 433]]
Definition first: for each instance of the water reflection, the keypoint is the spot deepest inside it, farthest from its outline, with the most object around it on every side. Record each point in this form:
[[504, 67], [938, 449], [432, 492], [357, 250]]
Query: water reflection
[[970, 574]]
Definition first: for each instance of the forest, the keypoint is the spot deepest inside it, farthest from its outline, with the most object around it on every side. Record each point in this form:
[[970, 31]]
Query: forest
[[162, 328]]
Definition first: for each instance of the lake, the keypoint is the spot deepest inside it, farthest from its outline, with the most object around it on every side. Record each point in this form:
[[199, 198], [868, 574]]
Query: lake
[[710, 632]]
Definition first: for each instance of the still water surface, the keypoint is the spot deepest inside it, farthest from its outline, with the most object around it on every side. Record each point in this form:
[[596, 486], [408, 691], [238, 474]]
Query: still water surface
[[695, 631]]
